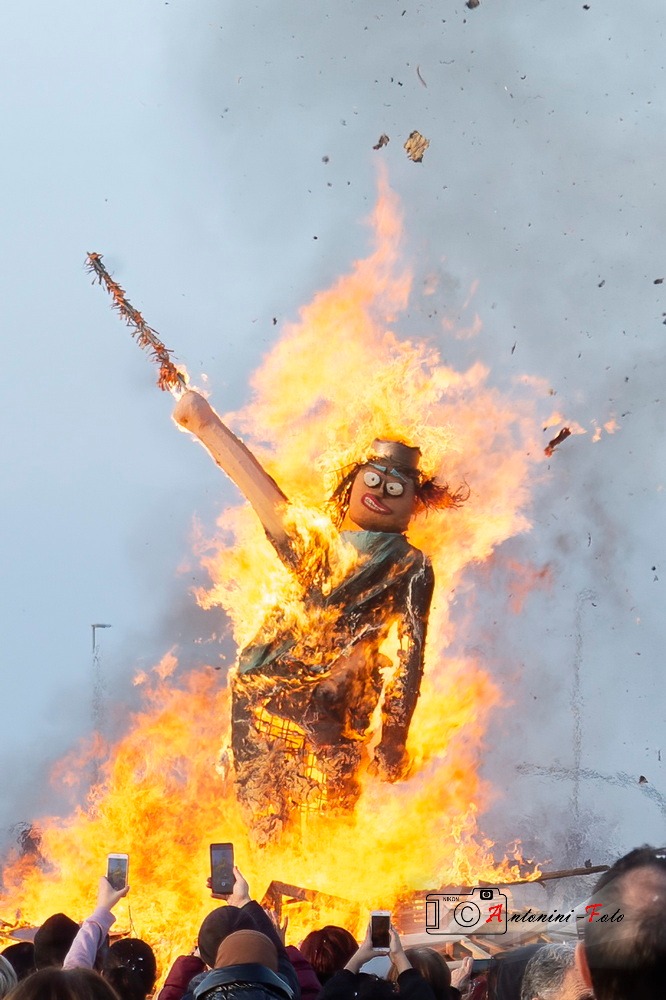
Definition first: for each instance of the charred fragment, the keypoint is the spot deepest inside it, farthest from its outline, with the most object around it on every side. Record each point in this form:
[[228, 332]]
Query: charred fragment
[[28, 840], [416, 146], [558, 439], [382, 141]]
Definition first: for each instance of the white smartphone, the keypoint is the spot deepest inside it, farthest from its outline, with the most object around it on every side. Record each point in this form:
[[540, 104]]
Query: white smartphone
[[117, 868], [380, 930]]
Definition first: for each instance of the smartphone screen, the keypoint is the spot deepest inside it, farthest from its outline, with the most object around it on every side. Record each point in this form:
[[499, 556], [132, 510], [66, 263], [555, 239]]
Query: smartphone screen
[[481, 965], [222, 869], [117, 867], [380, 925]]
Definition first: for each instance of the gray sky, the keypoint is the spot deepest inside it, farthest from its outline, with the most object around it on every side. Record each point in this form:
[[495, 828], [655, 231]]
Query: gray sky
[[186, 142]]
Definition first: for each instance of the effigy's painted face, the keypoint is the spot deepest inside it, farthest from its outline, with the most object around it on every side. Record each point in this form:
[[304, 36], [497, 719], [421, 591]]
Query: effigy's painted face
[[381, 499]]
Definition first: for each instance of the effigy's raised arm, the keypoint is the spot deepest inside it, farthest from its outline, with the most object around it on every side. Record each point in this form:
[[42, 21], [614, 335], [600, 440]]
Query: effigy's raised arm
[[195, 414]]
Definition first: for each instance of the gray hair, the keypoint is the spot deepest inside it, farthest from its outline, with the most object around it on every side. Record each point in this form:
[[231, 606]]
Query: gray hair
[[545, 971], [8, 978]]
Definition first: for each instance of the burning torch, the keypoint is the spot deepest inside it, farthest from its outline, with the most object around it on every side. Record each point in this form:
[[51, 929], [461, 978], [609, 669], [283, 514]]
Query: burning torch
[[196, 415]]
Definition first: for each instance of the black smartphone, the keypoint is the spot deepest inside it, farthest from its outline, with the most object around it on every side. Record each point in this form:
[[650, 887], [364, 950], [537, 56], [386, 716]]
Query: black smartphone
[[380, 927], [222, 869], [117, 867], [481, 965]]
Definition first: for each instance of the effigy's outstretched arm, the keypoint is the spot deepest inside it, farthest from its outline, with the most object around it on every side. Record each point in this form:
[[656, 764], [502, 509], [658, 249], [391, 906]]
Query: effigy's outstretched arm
[[195, 414], [402, 692]]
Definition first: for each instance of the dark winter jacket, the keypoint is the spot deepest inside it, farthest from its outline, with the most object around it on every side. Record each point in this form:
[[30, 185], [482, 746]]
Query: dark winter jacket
[[343, 985], [307, 977], [249, 981], [183, 970]]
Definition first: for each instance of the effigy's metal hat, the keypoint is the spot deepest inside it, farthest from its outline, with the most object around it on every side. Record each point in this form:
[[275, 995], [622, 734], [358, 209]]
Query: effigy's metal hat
[[402, 455]]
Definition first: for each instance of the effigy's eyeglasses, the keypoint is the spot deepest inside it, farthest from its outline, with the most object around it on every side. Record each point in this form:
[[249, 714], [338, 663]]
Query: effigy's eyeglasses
[[372, 479]]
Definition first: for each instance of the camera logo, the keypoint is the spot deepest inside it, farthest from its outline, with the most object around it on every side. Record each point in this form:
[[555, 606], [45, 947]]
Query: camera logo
[[480, 911]]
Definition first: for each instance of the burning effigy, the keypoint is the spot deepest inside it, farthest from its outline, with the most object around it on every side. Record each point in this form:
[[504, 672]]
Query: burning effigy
[[319, 617], [306, 687], [328, 598]]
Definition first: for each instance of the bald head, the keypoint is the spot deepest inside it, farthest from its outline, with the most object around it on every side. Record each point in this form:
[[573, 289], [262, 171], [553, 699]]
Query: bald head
[[623, 954]]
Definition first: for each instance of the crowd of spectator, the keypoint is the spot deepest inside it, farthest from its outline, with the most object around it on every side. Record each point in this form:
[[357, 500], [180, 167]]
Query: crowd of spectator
[[241, 955]]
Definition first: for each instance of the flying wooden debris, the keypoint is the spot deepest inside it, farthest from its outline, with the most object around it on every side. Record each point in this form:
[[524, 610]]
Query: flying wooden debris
[[471, 4], [416, 146], [382, 141], [552, 445]]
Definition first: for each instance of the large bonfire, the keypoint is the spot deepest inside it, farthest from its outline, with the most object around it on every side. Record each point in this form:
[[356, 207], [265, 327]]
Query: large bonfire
[[338, 378]]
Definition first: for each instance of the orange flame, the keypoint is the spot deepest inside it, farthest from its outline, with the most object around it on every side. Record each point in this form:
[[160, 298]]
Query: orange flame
[[335, 380]]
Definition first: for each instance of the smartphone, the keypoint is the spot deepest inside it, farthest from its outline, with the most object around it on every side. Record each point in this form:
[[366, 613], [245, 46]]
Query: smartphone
[[481, 965], [222, 869], [117, 867], [380, 927]]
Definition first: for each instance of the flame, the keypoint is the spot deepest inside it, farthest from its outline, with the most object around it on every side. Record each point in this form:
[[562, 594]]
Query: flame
[[336, 379], [609, 426]]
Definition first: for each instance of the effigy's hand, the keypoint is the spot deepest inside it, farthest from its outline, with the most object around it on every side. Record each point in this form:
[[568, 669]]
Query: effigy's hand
[[390, 763], [193, 409]]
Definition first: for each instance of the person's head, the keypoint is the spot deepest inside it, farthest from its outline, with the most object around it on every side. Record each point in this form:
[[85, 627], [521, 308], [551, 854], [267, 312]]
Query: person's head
[[219, 923], [21, 956], [328, 950], [505, 975], [384, 492], [247, 947], [623, 952], [434, 969], [63, 984], [367, 987], [551, 974], [8, 978], [53, 940], [130, 967]]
